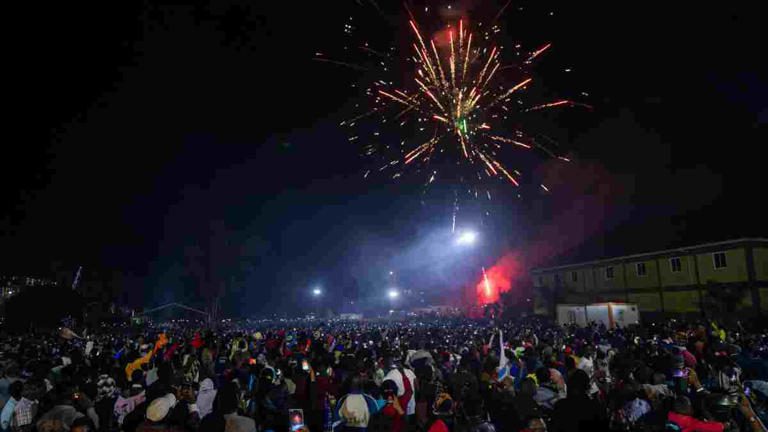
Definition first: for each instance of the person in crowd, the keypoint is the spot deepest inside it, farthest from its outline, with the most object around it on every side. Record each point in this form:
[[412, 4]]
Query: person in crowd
[[63, 411], [7, 416], [10, 375], [26, 409], [546, 393], [376, 376], [578, 412], [205, 397], [406, 383], [681, 418], [395, 406], [475, 416], [356, 408], [160, 416], [535, 424], [227, 406]]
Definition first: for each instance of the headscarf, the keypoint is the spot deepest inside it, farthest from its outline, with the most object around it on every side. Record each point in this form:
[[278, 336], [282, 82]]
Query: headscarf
[[205, 397], [106, 387]]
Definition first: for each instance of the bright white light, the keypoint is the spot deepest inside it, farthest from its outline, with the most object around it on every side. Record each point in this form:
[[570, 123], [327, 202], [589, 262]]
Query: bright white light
[[393, 294], [391, 273], [317, 292], [466, 238]]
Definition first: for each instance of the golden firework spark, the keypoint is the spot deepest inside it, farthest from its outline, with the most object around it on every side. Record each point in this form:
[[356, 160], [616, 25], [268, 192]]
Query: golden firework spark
[[463, 93], [456, 86]]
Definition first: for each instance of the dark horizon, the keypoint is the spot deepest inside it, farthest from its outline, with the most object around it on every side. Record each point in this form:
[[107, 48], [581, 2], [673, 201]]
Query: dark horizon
[[139, 129]]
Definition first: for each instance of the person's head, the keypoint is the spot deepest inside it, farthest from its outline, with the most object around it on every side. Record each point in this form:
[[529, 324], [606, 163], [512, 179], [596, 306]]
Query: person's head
[[443, 405], [632, 389], [578, 383], [227, 398], [682, 405], [570, 363], [12, 370], [473, 407], [355, 384], [51, 425], [543, 376], [82, 424], [536, 424], [158, 409], [34, 389], [508, 384], [528, 387], [165, 372], [678, 362], [137, 376], [465, 362], [16, 389], [389, 389]]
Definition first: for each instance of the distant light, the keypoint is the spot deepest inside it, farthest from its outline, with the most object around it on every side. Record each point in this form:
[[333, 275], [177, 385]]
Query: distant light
[[393, 294], [317, 292], [466, 238]]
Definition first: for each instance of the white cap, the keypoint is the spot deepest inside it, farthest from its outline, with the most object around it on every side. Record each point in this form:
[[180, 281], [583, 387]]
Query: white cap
[[159, 408]]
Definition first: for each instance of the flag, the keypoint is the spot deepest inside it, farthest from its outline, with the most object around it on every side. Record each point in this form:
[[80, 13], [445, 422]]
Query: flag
[[503, 361]]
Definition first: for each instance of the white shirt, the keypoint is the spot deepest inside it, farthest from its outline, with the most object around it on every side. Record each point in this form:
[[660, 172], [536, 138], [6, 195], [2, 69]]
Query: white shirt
[[587, 365], [397, 377]]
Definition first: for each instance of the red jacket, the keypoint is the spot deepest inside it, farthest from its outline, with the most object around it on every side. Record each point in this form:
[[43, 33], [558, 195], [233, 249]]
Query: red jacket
[[690, 424], [398, 421]]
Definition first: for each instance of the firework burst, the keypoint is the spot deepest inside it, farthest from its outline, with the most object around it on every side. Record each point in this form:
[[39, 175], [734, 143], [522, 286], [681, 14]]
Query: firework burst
[[462, 98]]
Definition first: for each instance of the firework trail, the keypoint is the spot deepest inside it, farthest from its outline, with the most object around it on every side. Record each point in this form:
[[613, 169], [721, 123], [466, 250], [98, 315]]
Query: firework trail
[[486, 283]]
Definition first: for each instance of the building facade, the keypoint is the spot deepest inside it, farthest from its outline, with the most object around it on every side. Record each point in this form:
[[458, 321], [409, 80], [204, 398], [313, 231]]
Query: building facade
[[729, 275]]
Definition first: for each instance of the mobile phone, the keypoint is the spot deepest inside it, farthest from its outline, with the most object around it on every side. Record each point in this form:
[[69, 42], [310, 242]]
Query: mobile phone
[[295, 419], [747, 391], [304, 365]]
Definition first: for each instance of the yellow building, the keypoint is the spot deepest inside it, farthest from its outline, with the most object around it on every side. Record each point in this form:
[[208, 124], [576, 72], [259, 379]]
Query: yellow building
[[683, 280]]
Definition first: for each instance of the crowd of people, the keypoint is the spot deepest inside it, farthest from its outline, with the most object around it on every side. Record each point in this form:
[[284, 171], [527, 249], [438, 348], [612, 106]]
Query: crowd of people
[[433, 375]]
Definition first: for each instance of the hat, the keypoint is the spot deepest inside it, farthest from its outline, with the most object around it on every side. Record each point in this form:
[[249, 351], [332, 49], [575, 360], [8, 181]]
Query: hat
[[106, 386], [159, 408]]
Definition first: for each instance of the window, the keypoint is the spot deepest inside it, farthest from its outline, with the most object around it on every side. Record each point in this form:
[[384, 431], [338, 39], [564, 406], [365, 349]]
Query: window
[[719, 259], [609, 272], [540, 281], [558, 282], [574, 276], [640, 268], [675, 265]]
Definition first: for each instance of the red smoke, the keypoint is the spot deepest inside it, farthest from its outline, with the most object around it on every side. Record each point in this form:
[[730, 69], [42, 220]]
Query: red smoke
[[499, 279], [578, 208]]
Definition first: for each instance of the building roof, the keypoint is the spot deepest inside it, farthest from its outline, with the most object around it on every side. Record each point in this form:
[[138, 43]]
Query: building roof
[[651, 254]]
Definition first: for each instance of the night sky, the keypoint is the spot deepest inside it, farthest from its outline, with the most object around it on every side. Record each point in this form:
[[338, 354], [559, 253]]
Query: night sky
[[136, 130]]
